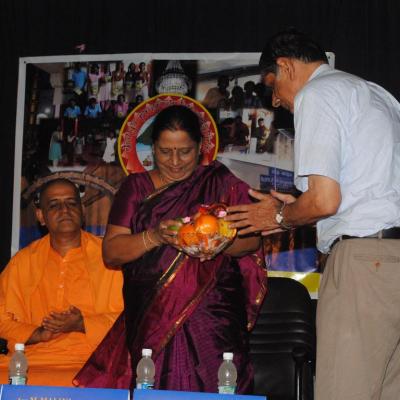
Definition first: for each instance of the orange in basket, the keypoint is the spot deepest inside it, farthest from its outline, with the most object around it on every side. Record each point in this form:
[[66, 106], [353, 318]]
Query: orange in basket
[[206, 224], [187, 235]]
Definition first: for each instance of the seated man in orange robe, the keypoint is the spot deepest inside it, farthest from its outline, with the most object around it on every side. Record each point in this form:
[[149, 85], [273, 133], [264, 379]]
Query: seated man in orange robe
[[56, 295]]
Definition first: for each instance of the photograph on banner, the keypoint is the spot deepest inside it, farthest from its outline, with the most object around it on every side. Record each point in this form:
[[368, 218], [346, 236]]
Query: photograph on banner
[[239, 103], [174, 76], [134, 143], [249, 140], [73, 115]]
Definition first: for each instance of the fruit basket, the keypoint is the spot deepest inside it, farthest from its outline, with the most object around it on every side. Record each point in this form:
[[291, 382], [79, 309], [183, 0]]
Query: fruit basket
[[206, 233]]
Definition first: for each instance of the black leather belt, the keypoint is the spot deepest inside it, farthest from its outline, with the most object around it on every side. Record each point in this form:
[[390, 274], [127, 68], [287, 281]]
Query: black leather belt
[[391, 233]]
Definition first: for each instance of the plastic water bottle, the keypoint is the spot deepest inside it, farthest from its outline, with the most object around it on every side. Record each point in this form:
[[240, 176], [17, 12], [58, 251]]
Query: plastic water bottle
[[18, 366], [227, 375], [145, 371]]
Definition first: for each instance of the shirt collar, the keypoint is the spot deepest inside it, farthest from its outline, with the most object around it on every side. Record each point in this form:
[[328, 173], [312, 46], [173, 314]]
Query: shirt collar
[[320, 70], [317, 72]]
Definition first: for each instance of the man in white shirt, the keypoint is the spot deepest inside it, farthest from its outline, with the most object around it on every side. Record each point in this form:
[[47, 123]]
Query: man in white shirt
[[347, 165]]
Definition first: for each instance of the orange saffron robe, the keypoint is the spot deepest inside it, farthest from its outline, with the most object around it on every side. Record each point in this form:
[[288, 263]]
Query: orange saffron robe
[[38, 280]]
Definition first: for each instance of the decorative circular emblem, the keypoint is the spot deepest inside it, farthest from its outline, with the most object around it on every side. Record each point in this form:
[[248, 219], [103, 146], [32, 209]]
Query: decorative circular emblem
[[134, 142]]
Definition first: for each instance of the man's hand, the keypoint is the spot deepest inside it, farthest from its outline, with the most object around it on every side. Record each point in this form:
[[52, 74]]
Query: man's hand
[[260, 216], [70, 320], [283, 197], [41, 334], [321, 200]]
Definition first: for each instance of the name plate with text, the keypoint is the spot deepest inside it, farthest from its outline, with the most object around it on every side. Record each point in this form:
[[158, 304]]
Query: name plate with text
[[175, 395], [19, 392]]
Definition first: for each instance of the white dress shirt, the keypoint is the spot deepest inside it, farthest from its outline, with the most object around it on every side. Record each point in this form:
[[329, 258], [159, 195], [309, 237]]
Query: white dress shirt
[[348, 129]]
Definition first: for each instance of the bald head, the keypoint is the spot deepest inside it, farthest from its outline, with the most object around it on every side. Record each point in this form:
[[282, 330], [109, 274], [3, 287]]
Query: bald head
[[58, 181], [60, 209]]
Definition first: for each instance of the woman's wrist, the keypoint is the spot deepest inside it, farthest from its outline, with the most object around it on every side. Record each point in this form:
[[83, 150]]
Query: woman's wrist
[[150, 239], [154, 237]]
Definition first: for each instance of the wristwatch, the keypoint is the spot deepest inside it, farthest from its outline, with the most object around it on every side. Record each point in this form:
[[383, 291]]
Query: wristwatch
[[279, 218]]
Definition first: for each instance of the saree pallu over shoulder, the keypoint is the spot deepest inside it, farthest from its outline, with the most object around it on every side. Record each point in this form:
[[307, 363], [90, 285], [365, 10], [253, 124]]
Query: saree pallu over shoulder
[[163, 288]]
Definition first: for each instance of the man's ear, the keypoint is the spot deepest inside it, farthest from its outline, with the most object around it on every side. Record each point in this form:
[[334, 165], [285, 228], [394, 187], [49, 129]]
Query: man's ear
[[40, 217], [286, 66]]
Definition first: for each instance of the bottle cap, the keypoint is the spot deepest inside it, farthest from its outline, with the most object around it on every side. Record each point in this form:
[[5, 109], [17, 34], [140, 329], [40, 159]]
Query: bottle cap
[[228, 356], [147, 352], [19, 347]]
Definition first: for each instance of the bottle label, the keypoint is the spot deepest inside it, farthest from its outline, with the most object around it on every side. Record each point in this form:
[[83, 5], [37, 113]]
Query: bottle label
[[17, 380], [226, 389], [144, 386]]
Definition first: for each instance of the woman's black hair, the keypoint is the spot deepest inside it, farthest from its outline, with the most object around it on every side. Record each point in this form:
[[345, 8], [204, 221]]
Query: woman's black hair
[[176, 118]]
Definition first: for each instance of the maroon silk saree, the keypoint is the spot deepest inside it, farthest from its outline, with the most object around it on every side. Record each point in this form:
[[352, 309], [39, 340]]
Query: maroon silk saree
[[188, 312]]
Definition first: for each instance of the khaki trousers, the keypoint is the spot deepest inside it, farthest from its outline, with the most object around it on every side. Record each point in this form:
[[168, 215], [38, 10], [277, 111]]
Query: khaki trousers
[[358, 322]]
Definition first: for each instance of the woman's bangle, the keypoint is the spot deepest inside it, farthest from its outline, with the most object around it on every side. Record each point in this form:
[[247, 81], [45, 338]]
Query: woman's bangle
[[144, 240], [151, 240]]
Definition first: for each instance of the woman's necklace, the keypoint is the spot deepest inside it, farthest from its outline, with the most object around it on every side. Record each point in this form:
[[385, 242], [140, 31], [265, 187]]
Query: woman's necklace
[[162, 179]]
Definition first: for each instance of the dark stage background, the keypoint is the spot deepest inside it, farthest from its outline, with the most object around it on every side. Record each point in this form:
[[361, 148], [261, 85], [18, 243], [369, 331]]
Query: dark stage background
[[364, 35]]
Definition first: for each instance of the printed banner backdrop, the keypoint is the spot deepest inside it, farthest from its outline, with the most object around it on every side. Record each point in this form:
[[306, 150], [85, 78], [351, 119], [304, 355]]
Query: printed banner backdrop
[[88, 118]]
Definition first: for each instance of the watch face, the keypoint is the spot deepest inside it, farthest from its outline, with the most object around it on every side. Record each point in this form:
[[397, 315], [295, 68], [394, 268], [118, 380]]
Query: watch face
[[279, 218]]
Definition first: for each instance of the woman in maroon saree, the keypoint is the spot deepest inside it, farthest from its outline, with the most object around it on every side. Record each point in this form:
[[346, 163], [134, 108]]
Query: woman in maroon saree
[[188, 311]]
